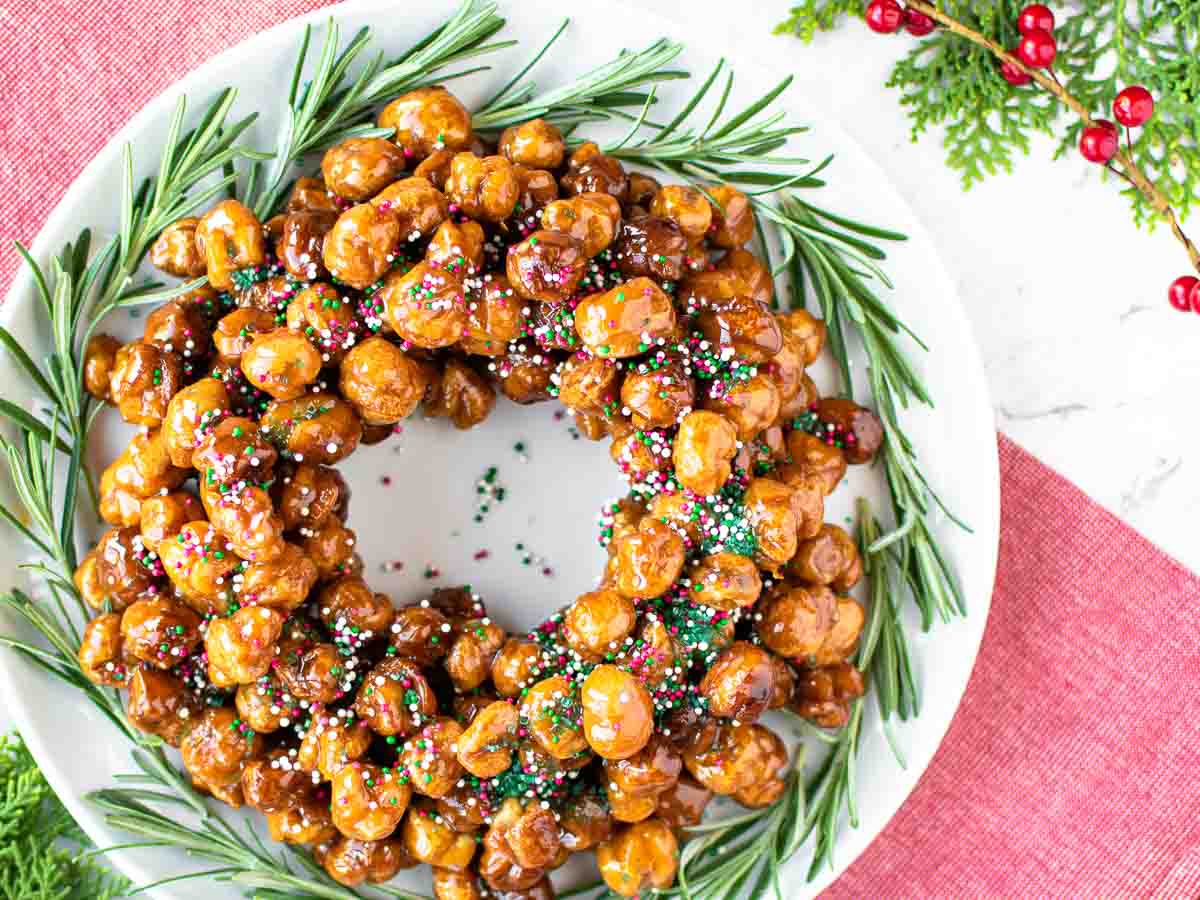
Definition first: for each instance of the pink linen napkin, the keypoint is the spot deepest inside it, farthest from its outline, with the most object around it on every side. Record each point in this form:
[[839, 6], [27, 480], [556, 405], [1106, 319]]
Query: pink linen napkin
[[1073, 766]]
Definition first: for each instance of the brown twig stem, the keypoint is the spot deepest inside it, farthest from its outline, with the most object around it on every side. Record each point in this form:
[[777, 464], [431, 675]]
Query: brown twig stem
[[1124, 162]]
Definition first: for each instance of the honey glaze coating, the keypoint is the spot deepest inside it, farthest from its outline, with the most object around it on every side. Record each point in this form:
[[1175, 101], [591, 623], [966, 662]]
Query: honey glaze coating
[[428, 273]]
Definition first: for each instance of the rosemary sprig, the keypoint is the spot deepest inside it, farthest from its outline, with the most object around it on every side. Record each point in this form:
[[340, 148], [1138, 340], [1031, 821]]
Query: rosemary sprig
[[602, 93], [331, 107]]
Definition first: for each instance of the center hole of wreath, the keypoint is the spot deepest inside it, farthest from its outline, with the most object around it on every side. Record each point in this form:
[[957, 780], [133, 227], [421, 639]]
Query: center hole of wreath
[[418, 512]]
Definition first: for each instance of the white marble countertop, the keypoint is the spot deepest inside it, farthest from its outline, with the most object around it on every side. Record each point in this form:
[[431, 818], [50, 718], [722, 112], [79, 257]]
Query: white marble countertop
[[1086, 361]]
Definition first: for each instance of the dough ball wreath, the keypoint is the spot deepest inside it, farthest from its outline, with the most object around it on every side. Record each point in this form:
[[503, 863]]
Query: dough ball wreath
[[431, 272]]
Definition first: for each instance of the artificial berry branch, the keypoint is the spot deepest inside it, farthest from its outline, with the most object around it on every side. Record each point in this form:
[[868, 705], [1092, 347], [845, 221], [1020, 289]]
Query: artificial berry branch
[[1032, 61]]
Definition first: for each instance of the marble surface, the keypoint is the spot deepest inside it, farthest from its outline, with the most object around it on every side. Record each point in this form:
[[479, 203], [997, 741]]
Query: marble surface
[[1090, 369]]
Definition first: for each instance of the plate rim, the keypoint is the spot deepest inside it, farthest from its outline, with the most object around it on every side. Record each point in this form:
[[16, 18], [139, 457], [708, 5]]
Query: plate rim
[[199, 80]]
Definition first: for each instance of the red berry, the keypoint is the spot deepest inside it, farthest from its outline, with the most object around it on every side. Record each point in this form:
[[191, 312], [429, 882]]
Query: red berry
[[1013, 75], [1037, 49], [884, 16], [1194, 297], [1133, 106], [1181, 292], [1100, 141], [1033, 17], [917, 23]]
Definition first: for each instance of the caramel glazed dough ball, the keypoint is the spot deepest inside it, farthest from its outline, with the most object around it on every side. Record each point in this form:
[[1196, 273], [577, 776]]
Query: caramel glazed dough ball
[[428, 271]]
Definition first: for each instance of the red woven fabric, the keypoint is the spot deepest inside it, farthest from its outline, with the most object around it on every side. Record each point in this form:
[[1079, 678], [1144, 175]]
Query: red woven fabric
[[1071, 767]]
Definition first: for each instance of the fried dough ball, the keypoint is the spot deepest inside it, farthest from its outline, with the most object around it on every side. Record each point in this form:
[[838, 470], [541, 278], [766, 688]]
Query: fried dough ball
[[368, 802], [100, 654], [813, 458], [830, 557], [348, 604], [307, 494], [704, 447], [237, 331], [597, 622], [649, 560], [592, 219], [751, 405], [420, 632], [99, 357], [546, 266], [351, 862], [741, 323], [772, 516], [516, 666], [317, 427], [658, 395], [161, 704], [485, 748], [175, 251], [551, 710], [686, 206], [469, 661], [123, 570], [683, 804], [416, 205], [382, 383], [725, 581], [241, 647], [590, 171], [429, 758], [142, 470], [190, 413], [460, 394], [823, 695], [495, 317], [308, 822], [215, 749], [536, 143], [842, 640], [639, 857], [359, 168], [233, 450], [740, 756], [626, 320], [653, 769], [282, 583], [484, 188], [200, 567], [275, 782], [144, 378], [855, 428], [796, 620], [498, 865], [230, 237], [282, 363], [310, 671], [429, 840], [332, 742], [357, 250], [457, 247], [301, 244], [425, 305], [740, 683], [525, 378], [246, 520], [650, 246], [732, 217], [395, 697], [618, 714], [807, 330], [426, 120], [770, 759]]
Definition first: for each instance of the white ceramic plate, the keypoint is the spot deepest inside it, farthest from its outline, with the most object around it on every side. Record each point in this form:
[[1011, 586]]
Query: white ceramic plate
[[424, 516]]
